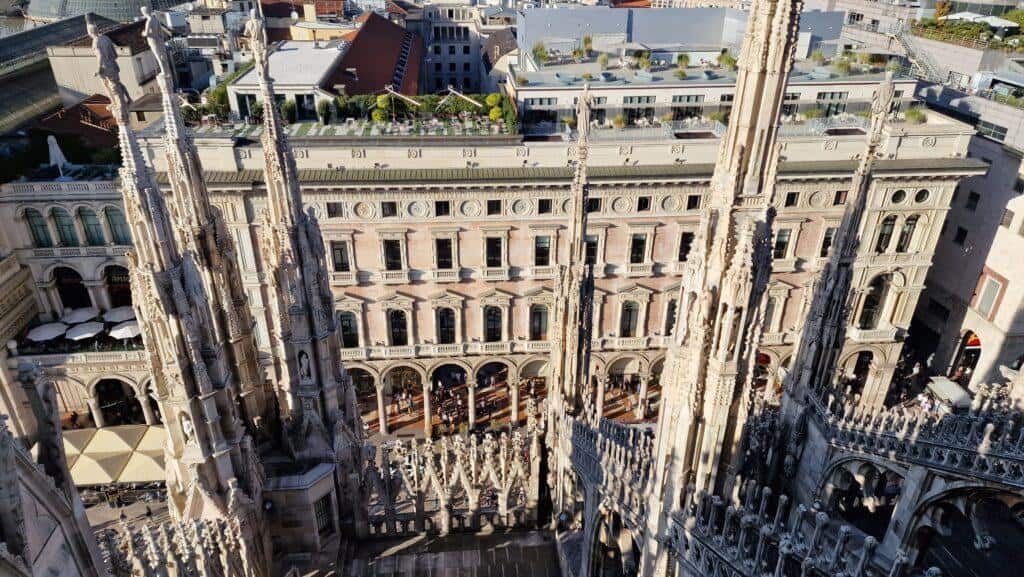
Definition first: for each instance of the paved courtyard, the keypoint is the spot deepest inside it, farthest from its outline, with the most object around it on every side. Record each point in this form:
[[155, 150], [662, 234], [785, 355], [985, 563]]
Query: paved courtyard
[[521, 554]]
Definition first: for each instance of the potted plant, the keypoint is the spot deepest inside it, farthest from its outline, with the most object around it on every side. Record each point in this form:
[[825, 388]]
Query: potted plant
[[588, 44], [726, 60], [288, 111], [324, 111], [540, 53], [818, 57], [602, 61], [915, 115], [680, 74], [619, 121]]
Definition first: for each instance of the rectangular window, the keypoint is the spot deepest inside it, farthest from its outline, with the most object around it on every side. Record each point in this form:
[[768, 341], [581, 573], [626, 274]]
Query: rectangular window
[[693, 202], [493, 246], [494, 207], [590, 250], [687, 98], [445, 256], [393, 255], [334, 209], [437, 67], [339, 253], [593, 205], [322, 512], [993, 131], [938, 310], [1006, 219], [1018, 186], [638, 248], [389, 209], [465, 49], [727, 98], [542, 251], [451, 67], [987, 299], [465, 65], [961, 235], [442, 208], [826, 242], [781, 249], [544, 206], [643, 204], [685, 244], [973, 198], [451, 49], [792, 198], [839, 197]]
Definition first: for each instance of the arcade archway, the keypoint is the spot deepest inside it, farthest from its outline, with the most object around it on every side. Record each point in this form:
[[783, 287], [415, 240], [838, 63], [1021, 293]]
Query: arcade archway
[[118, 404]]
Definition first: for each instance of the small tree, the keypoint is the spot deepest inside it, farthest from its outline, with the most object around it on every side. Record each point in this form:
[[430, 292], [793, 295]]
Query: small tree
[[644, 62], [942, 9], [915, 115], [818, 57], [726, 60], [256, 111], [341, 105], [864, 58], [720, 116], [588, 43], [522, 80], [495, 114], [813, 113], [682, 60], [493, 99], [602, 61], [324, 110], [379, 115], [843, 66], [681, 74], [540, 53], [579, 54], [288, 111], [619, 121], [667, 117], [587, 76], [893, 66], [190, 114]]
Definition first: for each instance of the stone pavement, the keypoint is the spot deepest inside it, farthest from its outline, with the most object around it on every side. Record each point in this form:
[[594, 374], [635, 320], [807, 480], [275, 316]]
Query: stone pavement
[[519, 554]]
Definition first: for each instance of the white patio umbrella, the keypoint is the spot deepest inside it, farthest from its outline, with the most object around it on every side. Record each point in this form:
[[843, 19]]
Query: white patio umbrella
[[46, 332], [73, 316], [126, 330], [119, 314], [84, 331]]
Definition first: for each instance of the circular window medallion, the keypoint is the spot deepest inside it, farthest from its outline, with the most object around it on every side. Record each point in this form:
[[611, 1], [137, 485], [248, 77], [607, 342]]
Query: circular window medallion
[[621, 205], [521, 207], [418, 209], [470, 208], [922, 196], [566, 205], [364, 210], [899, 196], [670, 203], [928, 142], [818, 199]]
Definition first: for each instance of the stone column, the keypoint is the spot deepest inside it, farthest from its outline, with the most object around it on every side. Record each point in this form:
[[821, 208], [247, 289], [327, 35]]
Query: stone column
[[108, 232], [97, 413], [471, 385], [876, 386], [641, 404], [915, 485], [602, 384], [427, 417], [147, 411], [382, 412], [98, 293], [513, 399]]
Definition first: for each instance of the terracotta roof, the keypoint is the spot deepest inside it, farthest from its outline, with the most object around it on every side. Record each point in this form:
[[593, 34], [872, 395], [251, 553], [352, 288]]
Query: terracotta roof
[[126, 36], [90, 119], [398, 7], [375, 54]]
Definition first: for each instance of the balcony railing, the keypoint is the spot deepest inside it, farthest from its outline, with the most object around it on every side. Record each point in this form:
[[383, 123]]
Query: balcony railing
[[873, 335], [642, 269], [446, 275], [542, 272], [343, 278], [394, 276], [495, 273]]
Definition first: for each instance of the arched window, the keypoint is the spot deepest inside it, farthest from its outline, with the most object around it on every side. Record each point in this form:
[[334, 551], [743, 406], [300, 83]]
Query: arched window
[[885, 233], [445, 326], [670, 317], [37, 227], [629, 319], [492, 324], [907, 234], [538, 323], [93, 228], [118, 226], [399, 328], [874, 302], [349, 329], [73, 294], [118, 286], [65, 227]]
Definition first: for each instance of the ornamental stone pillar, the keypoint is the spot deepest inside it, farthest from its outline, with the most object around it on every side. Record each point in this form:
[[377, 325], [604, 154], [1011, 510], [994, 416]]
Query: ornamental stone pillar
[[97, 413], [602, 385], [98, 294], [876, 385], [641, 405], [427, 417], [147, 411], [382, 412], [471, 385], [513, 396]]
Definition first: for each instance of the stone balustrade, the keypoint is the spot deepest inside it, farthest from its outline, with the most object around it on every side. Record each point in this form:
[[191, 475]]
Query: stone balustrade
[[757, 535], [986, 442]]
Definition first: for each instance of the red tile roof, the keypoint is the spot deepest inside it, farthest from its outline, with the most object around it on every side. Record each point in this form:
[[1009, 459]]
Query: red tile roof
[[374, 54], [90, 119]]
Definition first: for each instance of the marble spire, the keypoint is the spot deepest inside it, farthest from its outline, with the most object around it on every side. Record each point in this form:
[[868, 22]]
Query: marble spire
[[315, 393], [709, 361], [201, 230], [173, 308]]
